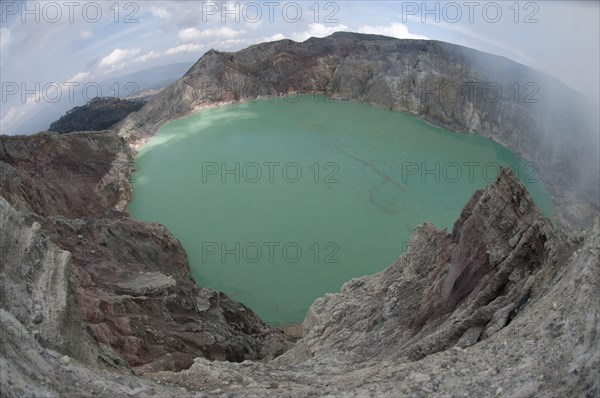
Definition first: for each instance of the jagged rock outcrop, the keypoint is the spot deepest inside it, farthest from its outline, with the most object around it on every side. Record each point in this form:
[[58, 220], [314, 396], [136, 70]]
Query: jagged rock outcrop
[[504, 305], [448, 289], [453, 87], [129, 279], [133, 285]]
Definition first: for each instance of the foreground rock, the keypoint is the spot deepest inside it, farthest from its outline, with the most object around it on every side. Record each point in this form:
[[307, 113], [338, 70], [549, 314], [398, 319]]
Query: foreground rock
[[448, 289], [450, 86], [128, 281], [504, 305]]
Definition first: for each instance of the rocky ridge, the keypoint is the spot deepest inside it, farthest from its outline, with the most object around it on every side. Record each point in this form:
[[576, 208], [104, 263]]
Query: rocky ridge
[[450, 86], [96, 304]]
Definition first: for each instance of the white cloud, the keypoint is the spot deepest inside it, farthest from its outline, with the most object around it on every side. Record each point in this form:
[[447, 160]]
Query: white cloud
[[189, 34], [121, 58], [318, 30], [86, 34], [184, 48], [228, 43], [397, 30], [159, 12], [79, 77], [118, 58], [11, 117], [118, 55], [275, 37], [148, 57], [193, 34], [5, 37]]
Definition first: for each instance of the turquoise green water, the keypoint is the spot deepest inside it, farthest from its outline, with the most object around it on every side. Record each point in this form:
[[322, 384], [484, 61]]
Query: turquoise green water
[[279, 202]]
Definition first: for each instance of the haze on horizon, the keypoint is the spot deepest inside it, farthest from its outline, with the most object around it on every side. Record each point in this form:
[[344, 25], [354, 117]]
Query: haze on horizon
[[58, 45]]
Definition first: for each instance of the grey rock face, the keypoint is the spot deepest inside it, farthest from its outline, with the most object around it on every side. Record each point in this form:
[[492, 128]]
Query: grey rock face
[[450, 86], [35, 289], [502, 306], [448, 288]]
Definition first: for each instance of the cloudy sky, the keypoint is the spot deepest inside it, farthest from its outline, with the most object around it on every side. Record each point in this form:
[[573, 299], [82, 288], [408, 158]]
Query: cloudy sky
[[60, 44]]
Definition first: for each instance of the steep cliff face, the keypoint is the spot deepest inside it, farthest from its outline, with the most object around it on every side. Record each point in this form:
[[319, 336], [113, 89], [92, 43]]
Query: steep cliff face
[[85, 175], [129, 279], [450, 86], [133, 285], [46, 348], [35, 289]]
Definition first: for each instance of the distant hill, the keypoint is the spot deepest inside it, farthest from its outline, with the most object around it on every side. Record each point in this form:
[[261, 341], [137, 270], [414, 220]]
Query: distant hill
[[97, 114], [139, 84]]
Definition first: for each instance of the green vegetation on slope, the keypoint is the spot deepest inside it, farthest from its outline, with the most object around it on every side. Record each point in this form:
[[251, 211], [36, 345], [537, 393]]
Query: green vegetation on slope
[[98, 114]]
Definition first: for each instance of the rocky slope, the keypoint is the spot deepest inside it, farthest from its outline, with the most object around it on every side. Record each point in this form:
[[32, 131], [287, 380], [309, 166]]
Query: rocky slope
[[448, 85], [448, 289], [503, 305], [83, 175], [130, 279]]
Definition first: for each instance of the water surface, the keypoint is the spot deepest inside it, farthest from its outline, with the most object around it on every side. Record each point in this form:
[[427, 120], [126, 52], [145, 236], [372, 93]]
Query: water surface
[[278, 202]]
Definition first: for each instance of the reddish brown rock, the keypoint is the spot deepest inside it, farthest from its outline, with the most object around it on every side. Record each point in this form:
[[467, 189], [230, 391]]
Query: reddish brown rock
[[130, 279]]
